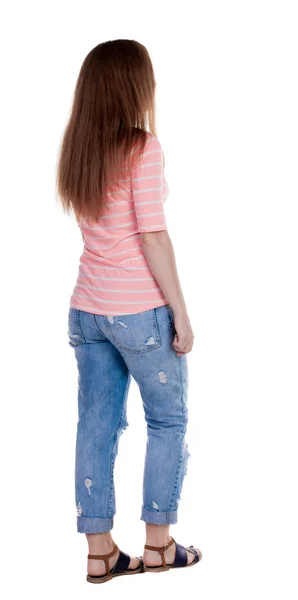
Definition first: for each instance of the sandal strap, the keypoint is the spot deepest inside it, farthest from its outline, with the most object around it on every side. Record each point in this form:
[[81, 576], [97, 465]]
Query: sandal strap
[[180, 556], [161, 549], [122, 563], [105, 557]]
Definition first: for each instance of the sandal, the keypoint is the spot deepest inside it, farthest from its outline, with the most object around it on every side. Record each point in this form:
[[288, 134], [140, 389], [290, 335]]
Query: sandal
[[180, 559], [120, 567]]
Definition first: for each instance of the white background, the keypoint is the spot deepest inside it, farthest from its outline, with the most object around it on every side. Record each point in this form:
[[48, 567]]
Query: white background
[[227, 98]]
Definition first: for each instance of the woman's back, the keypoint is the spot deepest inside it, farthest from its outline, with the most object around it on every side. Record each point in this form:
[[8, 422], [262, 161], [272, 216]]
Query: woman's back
[[114, 277]]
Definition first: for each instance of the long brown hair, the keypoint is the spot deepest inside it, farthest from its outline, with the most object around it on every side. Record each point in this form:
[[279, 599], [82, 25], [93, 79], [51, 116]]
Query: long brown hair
[[113, 106]]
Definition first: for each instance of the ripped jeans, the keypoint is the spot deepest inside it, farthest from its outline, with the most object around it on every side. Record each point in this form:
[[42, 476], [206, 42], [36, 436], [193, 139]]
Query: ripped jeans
[[109, 350]]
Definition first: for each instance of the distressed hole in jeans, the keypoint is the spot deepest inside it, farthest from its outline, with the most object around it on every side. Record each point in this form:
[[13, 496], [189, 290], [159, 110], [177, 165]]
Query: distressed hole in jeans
[[79, 509], [88, 483], [162, 377], [154, 505], [150, 340], [111, 320], [122, 324]]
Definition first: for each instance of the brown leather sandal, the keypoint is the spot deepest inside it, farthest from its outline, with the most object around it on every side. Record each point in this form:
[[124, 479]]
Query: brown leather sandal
[[180, 559], [120, 567]]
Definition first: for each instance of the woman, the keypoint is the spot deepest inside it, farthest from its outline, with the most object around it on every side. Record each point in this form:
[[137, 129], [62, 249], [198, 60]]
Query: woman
[[127, 315]]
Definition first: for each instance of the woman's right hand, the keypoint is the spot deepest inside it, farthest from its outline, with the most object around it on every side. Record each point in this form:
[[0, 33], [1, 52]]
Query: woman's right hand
[[184, 337]]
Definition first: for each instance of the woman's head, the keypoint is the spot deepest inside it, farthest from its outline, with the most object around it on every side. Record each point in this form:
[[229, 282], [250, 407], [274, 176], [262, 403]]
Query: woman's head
[[113, 107]]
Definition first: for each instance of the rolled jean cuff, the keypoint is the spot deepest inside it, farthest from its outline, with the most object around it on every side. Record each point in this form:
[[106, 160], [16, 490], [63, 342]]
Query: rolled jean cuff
[[158, 517], [94, 524]]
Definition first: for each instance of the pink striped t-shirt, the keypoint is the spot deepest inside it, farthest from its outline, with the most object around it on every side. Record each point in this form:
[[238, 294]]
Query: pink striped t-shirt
[[114, 277]]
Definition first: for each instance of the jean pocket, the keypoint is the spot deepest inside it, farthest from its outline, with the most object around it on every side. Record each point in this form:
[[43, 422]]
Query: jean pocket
[[138, 332], [75, 335]]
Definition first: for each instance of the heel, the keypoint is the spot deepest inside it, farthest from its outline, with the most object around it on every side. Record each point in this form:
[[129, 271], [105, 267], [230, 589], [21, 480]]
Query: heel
[[161, 550]]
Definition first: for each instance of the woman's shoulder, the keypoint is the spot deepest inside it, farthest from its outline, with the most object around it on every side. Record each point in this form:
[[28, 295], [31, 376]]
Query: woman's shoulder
[[153, 140], [151, 143]]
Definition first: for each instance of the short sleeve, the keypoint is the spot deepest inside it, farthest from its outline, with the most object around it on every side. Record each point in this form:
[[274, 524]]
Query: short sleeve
[[148, 183]]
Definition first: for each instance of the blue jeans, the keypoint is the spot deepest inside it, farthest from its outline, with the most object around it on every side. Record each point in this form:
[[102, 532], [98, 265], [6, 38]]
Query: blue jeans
[[109, 350]]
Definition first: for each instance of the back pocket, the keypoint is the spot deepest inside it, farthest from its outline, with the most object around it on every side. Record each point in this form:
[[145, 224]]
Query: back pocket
[[75, 334], [136, 332]]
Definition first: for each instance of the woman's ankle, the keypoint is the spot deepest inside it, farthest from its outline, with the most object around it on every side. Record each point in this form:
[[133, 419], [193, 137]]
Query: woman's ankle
[[157, 535], [100, 543]]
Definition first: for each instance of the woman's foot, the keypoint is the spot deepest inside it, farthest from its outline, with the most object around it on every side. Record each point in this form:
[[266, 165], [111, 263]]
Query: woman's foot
[[102, 543], [159, 535], [152, 558]]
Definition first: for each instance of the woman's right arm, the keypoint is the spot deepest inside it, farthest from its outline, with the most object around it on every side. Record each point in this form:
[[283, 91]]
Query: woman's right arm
[[158, 250]]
